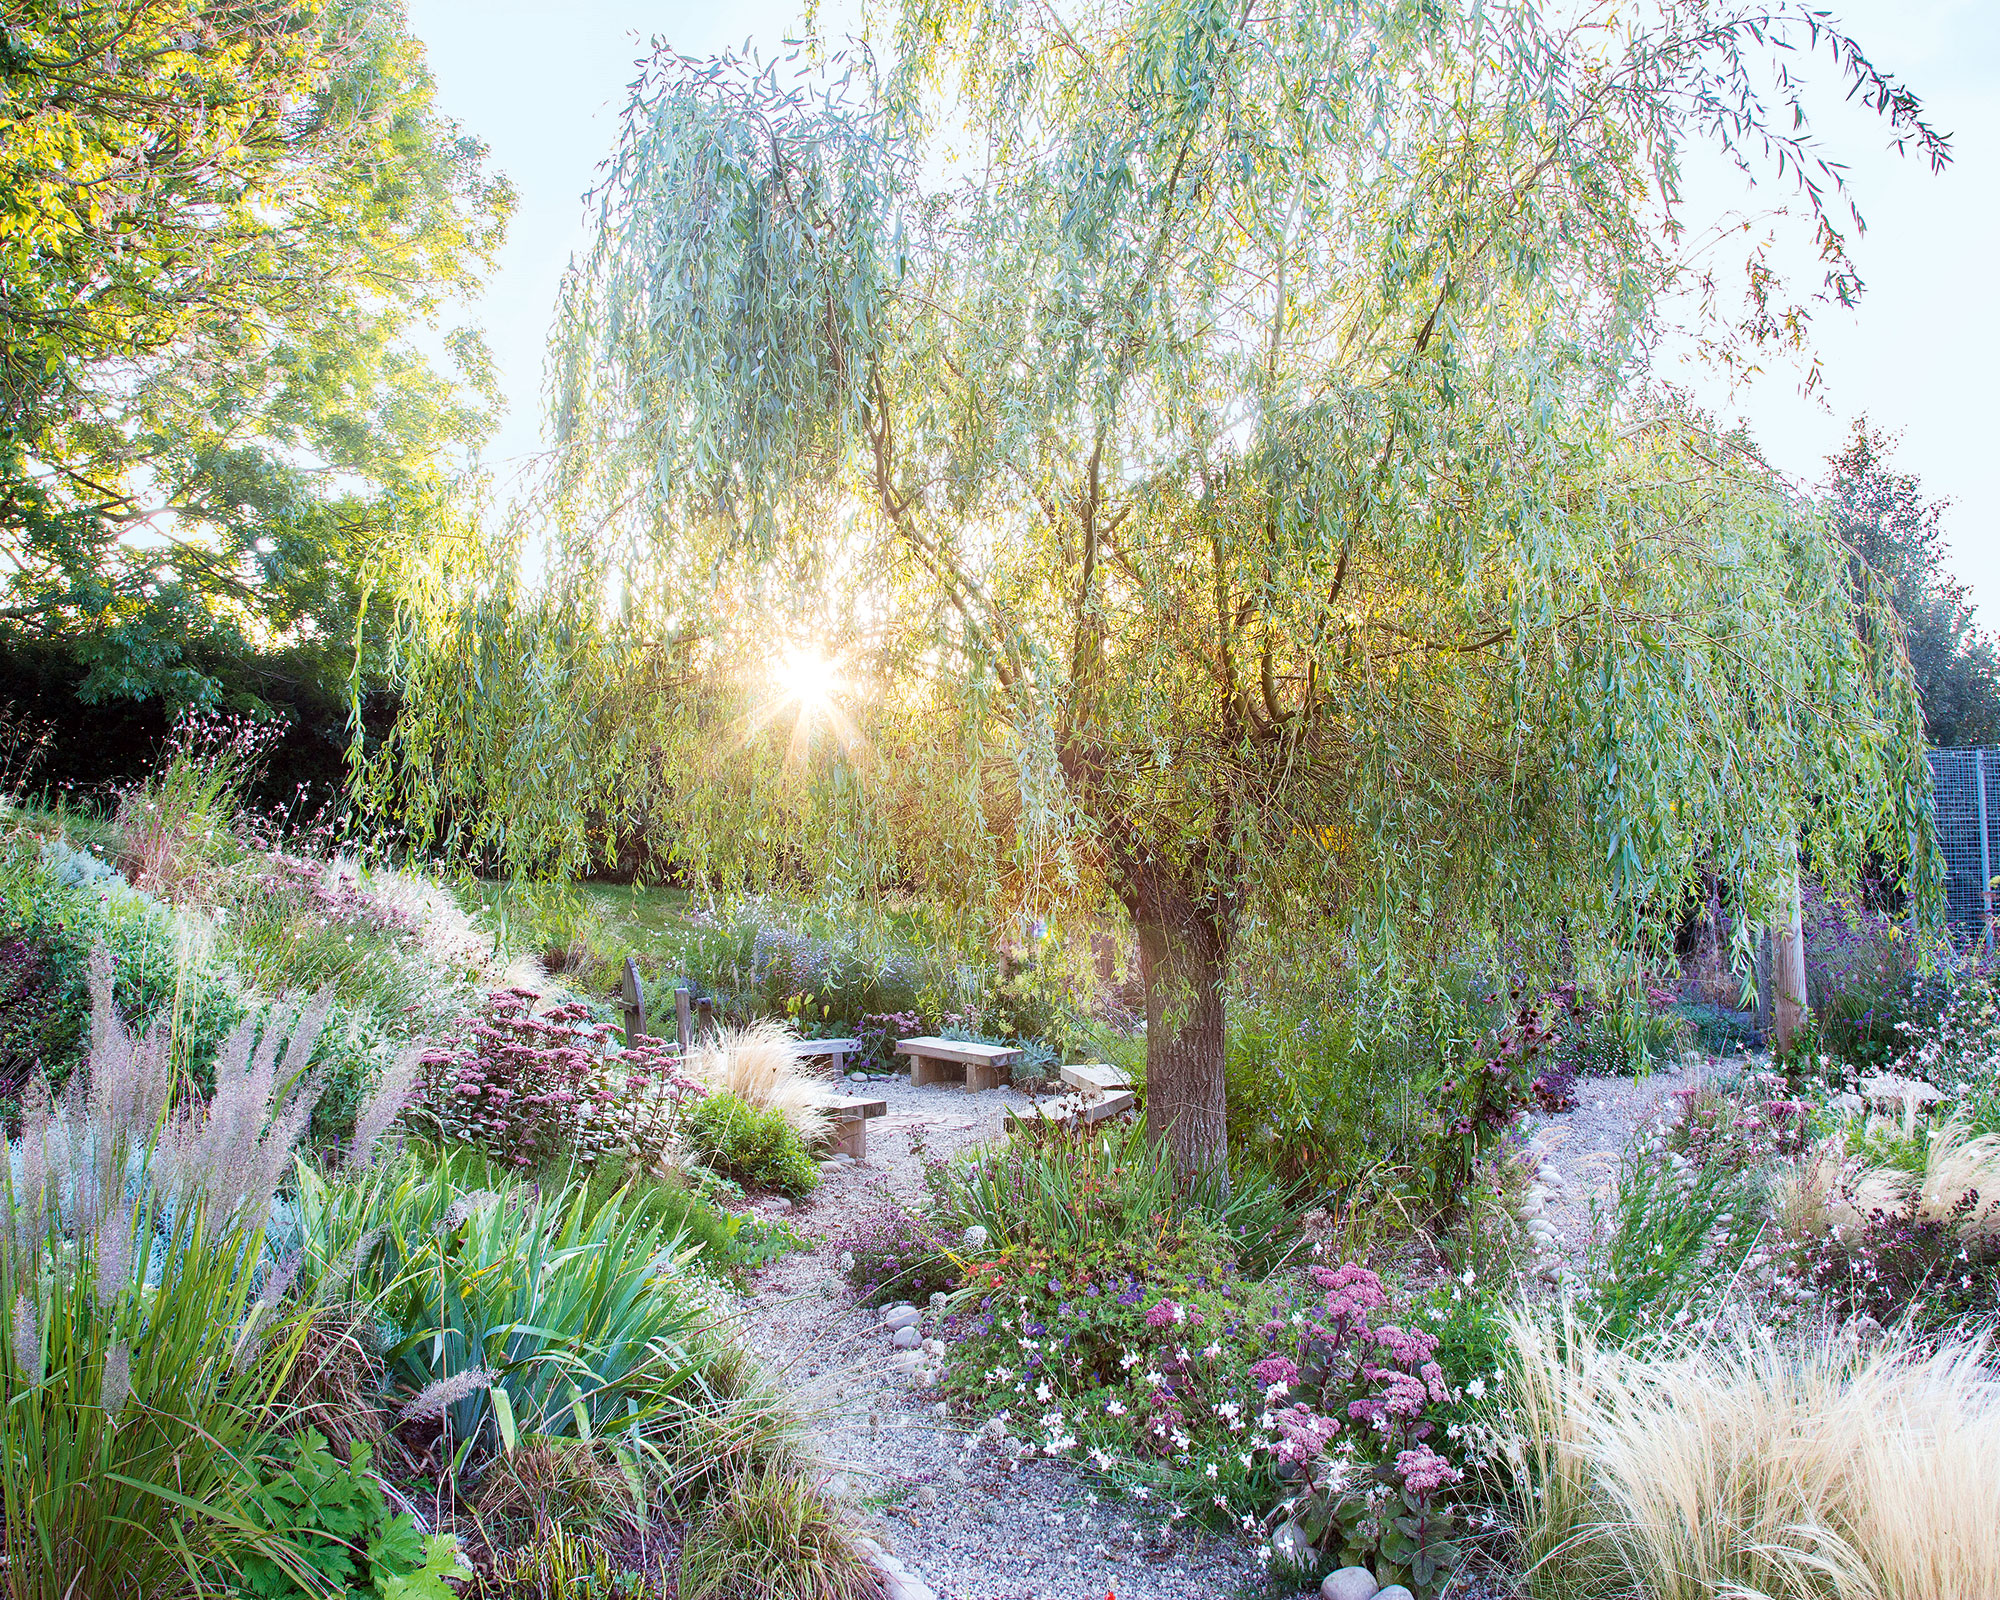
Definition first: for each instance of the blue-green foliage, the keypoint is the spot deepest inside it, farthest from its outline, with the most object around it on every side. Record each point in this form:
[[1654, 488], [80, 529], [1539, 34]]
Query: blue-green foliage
[[58, 903], [588, 1318]]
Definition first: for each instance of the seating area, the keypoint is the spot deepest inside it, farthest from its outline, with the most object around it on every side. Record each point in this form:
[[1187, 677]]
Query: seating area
[[983, 1066]]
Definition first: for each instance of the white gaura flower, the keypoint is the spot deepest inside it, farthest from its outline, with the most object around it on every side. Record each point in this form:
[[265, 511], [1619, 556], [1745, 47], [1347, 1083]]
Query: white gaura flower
[[1043, 1391]]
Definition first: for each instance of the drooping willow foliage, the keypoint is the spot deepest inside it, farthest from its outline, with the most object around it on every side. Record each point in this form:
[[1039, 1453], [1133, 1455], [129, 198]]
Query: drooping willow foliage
[[1215, 441]]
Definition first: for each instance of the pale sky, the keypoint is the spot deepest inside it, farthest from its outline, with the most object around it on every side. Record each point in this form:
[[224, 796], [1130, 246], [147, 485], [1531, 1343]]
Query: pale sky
[[543, 85]]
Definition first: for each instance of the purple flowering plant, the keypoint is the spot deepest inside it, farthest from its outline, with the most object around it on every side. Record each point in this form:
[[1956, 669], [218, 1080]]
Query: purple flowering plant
[[529, 1088], [889, 1255], [1356, 1400]]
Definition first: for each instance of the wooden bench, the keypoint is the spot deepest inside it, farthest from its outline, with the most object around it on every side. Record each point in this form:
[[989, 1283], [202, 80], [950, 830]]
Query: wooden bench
[[1079, 1110], [835, 1050], [850, 1119], [986, 1066], [1095, 1077]]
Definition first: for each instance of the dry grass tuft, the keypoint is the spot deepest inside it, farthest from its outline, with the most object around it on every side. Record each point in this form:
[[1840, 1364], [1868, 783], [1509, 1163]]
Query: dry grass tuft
[[547, 1480], [1830, 1190], [760, 1064], [1758, 1471], [336, 1380]]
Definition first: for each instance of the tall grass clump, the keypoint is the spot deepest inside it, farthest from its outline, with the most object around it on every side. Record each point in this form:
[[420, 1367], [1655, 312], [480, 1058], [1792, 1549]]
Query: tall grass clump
[[177, 828], [759, 1064], [141, 1350], [1756, 1469]]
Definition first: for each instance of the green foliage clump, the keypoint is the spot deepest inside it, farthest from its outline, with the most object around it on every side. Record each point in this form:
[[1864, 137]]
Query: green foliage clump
[[753, 1146], [512, 1311], [334, 1518]]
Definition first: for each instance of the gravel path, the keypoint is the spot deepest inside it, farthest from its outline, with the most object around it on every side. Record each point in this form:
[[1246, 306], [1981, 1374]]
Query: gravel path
[[1585, 1146], [970, 1527], [970, 1524]]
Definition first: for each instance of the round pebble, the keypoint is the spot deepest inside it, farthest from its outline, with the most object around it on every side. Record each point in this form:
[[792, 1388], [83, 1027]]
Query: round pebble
[[906, 1338], [1349, 1583], [897, 1317], [1395, 1591]]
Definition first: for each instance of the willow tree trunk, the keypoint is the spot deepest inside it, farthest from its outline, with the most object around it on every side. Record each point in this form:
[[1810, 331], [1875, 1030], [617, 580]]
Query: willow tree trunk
[[1184, 938]]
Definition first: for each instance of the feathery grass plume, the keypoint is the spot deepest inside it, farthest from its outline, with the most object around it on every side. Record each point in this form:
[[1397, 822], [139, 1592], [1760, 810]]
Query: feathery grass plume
[[238, 1148], [464, 1208], [31, 1186], [438, 1397], [27, 1341], [1957, 1165], [114, 1255], [384, 1105], [760, 1064], [117, 1378], [1744, 1467]]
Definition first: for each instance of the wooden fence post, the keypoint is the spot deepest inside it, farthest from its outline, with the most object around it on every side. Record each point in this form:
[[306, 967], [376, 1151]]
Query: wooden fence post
[[634, 996], [681, 1016]]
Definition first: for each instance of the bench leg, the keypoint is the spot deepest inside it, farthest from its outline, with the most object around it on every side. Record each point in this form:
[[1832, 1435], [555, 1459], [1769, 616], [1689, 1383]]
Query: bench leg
[[984, 1075], [851, 1138], [923, 1070]]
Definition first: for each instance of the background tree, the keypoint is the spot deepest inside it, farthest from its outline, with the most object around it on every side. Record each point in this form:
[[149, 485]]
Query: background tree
[[1882, 515], [1214, 439], [219, 229]]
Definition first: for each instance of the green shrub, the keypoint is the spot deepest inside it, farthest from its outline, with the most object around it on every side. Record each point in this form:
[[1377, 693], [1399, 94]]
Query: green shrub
[[334, 1518], [1320, 1101], [727, 1240], [752, 1146]]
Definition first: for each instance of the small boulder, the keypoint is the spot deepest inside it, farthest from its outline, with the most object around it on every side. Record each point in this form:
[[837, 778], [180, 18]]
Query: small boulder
[[1290, 1544], [906, 1338], [780, 1205], [1349, 1583], [1395, 1591], [903, 1316]]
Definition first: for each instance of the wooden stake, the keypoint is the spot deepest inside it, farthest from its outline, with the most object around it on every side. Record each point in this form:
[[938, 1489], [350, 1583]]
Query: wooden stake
[[681, 1016], [634, 996]]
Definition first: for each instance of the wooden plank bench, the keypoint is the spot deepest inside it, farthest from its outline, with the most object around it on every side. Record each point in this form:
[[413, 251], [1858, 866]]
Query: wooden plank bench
[[1079, 1110], [835, 1050], [987, 1066], [850, 1119], [1095, 1077]]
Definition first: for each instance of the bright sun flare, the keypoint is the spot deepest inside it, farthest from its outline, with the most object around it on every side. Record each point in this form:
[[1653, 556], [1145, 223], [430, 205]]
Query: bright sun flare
[[805, 677], [805, 684]]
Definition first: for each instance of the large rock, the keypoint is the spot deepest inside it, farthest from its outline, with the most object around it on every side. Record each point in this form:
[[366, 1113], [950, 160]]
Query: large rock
[[904, 1316], [1349, 1583]]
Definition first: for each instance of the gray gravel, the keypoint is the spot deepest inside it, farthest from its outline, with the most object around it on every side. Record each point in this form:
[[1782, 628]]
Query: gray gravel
[[1585, 1146], [972, 1525]]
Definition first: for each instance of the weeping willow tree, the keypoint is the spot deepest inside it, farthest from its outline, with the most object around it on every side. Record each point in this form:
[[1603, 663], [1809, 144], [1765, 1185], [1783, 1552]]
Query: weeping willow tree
[[1213, 445]]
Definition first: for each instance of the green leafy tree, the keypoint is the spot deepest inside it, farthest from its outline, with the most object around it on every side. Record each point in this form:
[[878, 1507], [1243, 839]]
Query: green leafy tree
[[1211, 443], [219, 228], [1883, 517]]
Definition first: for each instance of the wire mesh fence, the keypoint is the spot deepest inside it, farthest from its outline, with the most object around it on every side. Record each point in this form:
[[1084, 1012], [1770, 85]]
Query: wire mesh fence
[[1967, 785]]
